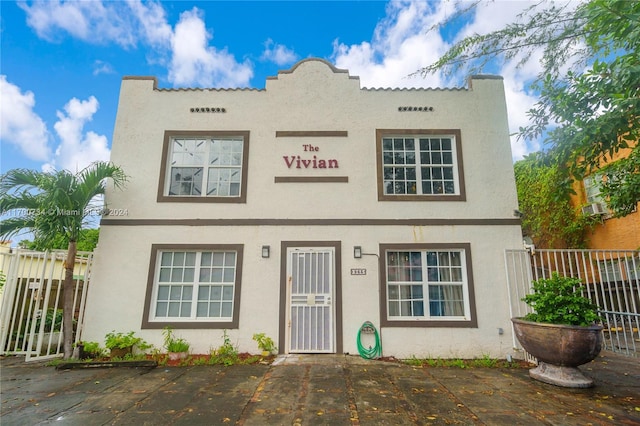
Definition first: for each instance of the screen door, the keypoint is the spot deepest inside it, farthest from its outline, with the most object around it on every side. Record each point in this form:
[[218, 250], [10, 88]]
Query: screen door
[[311, 276]]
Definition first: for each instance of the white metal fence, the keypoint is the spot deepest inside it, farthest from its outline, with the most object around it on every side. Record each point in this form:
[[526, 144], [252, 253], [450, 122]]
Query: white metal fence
[[32, 300], [611, 279]]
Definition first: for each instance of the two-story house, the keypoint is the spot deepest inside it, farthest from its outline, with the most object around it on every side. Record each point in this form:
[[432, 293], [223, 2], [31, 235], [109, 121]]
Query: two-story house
[[304, 209]]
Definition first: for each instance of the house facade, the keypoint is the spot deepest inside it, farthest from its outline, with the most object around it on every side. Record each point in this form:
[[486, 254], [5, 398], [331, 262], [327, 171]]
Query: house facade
[[609, 233], [307, 208]]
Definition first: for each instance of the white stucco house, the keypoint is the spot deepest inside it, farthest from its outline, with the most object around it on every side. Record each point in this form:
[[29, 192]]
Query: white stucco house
[[304, 209]]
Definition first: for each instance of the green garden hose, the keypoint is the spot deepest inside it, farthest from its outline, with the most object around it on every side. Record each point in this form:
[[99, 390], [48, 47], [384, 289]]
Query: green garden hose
[[371, 352]]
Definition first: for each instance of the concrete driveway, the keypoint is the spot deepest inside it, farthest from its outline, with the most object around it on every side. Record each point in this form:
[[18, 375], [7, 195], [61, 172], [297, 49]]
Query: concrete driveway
[[315, 390]]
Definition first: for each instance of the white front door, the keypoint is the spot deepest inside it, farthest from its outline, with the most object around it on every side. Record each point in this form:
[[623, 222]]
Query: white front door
[[311, 282]]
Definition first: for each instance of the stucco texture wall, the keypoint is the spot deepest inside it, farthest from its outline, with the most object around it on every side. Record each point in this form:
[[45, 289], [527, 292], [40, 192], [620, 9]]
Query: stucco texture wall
[[312, 96]]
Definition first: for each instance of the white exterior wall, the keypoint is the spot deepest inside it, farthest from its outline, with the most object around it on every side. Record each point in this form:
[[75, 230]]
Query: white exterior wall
[[311, 97]]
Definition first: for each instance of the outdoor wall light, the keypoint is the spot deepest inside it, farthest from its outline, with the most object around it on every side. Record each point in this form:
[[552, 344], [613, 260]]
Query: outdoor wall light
[[265, 252], [357, 252]]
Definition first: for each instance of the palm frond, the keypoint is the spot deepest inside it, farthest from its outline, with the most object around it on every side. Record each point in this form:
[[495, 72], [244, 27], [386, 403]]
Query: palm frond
[[17, 180], [97, 172], [19, 204], [92, 180], [15, 225], [54, 203]]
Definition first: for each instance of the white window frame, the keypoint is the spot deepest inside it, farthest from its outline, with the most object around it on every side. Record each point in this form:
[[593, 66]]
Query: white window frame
[[592, 185], [414, 274], [226, 169], [396, 163], [183, 277]]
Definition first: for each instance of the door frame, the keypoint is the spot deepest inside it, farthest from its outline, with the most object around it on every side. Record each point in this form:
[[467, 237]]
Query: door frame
[[337, 299]]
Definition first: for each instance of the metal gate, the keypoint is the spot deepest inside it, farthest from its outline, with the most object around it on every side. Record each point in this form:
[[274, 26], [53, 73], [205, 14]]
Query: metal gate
[[311, 275], [32, 301], [611, 279]]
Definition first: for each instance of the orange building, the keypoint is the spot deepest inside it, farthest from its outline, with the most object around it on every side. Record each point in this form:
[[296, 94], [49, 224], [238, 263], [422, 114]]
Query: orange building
[[610, 232]]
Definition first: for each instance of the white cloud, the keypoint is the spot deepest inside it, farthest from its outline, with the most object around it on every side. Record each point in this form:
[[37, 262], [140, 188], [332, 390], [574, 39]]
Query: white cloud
[[402, 43], [19, 124], [184, 49], [491, 16], [154, 27], [405, 41], [399, 47], [278, 53], [78, 149], [101, 67], [90, 21], [519, 101], [194, 61]]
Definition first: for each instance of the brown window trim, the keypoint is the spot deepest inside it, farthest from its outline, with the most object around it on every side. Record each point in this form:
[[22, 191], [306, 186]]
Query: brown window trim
[[168, 134], [380, 133], [311, 133], [472, 322], [148, 300]]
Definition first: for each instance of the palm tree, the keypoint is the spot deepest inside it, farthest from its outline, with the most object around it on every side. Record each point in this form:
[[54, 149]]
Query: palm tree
[[54, 204]]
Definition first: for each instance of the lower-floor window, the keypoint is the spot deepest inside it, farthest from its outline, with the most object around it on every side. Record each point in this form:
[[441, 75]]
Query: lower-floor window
[[199, 284], [429, 283]]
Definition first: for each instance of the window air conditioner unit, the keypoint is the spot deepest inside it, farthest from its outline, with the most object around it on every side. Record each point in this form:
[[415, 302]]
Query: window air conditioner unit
[[593, 209]]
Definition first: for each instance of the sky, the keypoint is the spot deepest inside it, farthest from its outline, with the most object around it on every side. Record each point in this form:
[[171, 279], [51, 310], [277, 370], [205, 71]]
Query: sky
[[62, 62]]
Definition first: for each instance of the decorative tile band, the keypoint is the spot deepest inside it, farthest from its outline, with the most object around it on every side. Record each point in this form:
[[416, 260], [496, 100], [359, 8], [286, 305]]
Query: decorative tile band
[[415, 108], [208, 109]]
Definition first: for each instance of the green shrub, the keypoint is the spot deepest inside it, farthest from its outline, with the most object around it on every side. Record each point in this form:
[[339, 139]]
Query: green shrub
[[52, 320], [121, 341], [558, 300], [91, 349], [226, 354], [172, 343], [265, 343]]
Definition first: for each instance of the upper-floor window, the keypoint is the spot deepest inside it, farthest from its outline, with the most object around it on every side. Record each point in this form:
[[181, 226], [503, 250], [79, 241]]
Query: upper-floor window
[[592, 185], [596, 204], [419, 165], [204, 166]]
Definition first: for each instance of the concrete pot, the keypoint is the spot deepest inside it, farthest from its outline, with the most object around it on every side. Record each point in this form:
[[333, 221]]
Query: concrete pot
[[55, 337], [177, 356], [559, 349]]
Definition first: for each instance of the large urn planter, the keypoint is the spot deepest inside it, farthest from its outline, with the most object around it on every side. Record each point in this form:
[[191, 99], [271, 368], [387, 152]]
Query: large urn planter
[[559, 349]]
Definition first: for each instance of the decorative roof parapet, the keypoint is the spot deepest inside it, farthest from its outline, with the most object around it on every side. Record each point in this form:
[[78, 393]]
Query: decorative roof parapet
[[331, 67], [327, 63]]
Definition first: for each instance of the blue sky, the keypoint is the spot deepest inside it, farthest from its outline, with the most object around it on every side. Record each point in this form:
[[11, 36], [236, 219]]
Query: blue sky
[[62, 62]]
